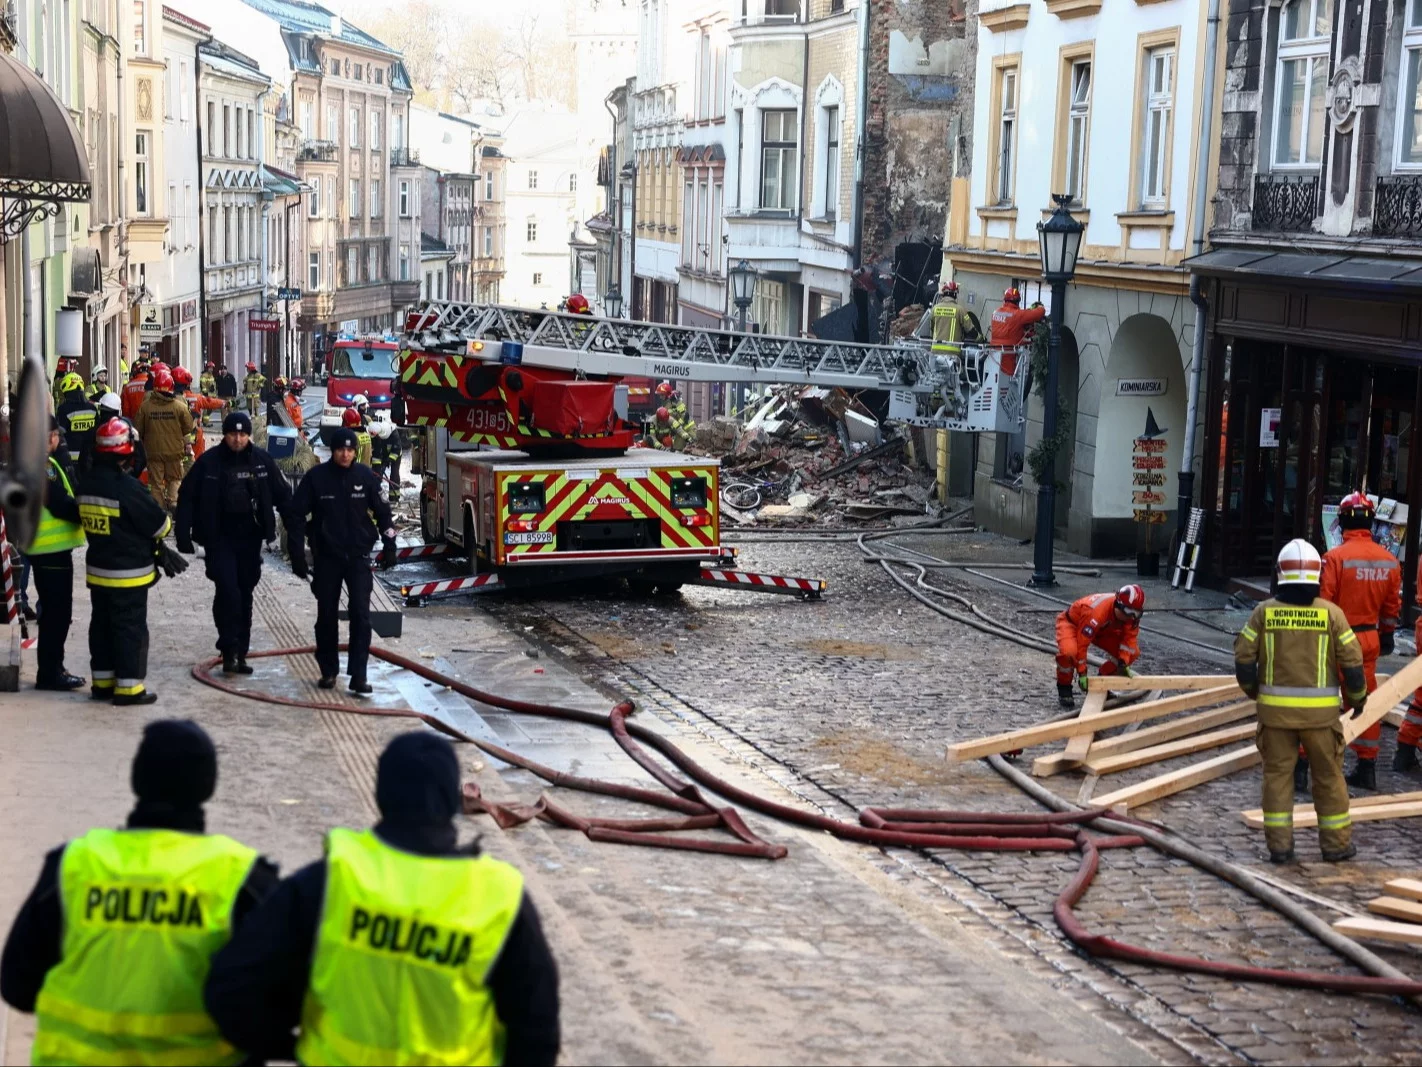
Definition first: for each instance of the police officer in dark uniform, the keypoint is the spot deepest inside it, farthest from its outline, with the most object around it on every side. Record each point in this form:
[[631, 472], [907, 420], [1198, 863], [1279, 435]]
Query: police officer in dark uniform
[[77, 415], [339, 496], [125, 527], [470, 980], [51, 557], [228, 503], [95, 952]]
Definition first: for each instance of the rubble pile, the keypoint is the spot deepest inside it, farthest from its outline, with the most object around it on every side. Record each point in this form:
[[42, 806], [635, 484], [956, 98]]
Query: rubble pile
[[808, 456]]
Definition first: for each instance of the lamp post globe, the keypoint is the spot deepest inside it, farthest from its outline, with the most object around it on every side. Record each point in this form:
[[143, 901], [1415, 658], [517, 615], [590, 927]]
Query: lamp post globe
[[612, 302], [743, 278]]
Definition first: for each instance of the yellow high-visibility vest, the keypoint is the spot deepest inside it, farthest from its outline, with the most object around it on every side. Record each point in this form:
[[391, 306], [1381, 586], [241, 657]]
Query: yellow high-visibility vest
[[56, 535], [144, 913], [403, 953]]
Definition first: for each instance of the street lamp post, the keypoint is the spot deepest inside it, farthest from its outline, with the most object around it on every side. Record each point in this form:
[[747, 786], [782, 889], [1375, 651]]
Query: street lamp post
[[743, 277], [1059, 240]]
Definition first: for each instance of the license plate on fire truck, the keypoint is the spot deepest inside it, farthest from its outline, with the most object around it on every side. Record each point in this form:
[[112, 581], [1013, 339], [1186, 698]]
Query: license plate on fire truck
[[536, 537]]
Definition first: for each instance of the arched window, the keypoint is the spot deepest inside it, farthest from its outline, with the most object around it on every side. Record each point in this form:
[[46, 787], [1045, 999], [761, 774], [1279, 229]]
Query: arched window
[[1301, 83]]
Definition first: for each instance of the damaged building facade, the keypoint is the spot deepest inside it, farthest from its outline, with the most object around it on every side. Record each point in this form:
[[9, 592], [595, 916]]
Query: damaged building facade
[[1101, 104]]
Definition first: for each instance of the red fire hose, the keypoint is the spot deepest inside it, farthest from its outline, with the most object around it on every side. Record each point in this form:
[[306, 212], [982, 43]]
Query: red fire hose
[[883, 827]]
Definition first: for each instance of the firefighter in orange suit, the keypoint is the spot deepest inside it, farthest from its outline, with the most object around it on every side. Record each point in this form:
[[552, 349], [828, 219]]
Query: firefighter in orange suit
[[1010, 326], [1365, 580], [1409, 734], [1111, 622]]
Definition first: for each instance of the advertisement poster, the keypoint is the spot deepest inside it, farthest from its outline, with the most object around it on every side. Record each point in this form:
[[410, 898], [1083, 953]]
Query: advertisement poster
[[1269, 419]]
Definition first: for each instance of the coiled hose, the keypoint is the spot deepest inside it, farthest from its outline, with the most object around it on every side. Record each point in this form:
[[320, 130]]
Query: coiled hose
[[1060, 831]]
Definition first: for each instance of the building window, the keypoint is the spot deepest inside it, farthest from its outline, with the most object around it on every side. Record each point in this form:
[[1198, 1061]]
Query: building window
[[1409, 140], [142, 171], [372, 262], [489, 186], [488, 241], [399, 141], [377, 120], [227, 131], [713, 227], [183, 91], [1006, 134], [777, 160], [572, 183], [313, 205], [533, 179], [404, 263], [331, 207], [355, 127], [429, 285], [532, 232], [251, 134], [358, 73], [1159, 97], [831, 162], [353, 203], [1301, 83], [375, 198], [537, 278], [1078, 128], [211, 128], [313, 272], [333, 123], [688, 235], [308, 121], [379, 73], [140, 30], [404, 200], [352, 265]]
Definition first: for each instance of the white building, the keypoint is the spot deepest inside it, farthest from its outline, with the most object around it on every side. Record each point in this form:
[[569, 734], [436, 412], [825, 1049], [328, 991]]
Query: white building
[[1100, 104], [545, 156]]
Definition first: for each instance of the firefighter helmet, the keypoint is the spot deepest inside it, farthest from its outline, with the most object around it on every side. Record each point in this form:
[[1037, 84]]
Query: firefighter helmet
[[1299, 563], [112, 438], [667, 441], [159, 365], [1356, 512], [298, 385], [360, 402], [279, 382], [100, 372], [578, 305], [381, 427], [663, 415], [351, 417], [1130, 601], [950, 290], [251, 368], [209, 366], [665, 389], [182, 377], [110, 402], [1012, 296], [70, 382], [163, 381]]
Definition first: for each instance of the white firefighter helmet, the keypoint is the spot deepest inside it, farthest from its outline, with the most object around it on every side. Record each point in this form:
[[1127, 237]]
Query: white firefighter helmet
[[360, 401], [1300, 564], [381, 426]]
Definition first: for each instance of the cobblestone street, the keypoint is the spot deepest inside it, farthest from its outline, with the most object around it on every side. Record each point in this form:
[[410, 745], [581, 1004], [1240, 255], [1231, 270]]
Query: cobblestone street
[[851, 700]]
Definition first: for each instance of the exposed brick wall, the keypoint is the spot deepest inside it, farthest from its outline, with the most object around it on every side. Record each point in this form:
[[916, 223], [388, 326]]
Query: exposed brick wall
[[908, 155]]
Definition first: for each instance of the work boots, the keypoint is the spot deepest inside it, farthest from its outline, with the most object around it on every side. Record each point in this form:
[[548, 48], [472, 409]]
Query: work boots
[[1405, 758], [1286, 856], [1064, 696], [1365, 775], [235, 665], [1301, 776], [1339, 855]]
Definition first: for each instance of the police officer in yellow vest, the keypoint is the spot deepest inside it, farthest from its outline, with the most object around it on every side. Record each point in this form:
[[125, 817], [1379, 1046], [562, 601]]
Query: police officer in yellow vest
[[111, 949], [399, 946], [51, 557], [1288, 658]]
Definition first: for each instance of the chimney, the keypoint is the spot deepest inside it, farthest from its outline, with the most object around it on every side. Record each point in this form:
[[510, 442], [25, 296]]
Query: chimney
[[335, 25]]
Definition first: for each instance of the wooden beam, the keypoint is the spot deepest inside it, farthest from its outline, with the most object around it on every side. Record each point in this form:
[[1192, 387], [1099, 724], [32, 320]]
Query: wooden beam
[[1410, 888], [1078, 744], [1397, 908], [1120, 684], [1056, 731], [1363, 809], [1380, 929], [1169, 731], [1157, 753], [1164, 785], [1384, 698]]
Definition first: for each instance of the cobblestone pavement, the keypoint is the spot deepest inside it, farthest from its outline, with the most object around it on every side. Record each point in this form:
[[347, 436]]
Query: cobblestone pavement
[[852, 699]]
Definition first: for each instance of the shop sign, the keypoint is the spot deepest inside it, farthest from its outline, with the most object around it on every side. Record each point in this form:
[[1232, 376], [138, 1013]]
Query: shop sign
[[1269, 419], [1147, 458], [150, 321], [264, 325], [189, 310], [1141, 386]]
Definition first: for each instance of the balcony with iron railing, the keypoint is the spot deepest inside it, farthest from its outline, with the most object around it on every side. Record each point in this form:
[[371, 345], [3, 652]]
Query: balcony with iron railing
[[404, 157], [1285, 203], [317, 152], [1397, 206]]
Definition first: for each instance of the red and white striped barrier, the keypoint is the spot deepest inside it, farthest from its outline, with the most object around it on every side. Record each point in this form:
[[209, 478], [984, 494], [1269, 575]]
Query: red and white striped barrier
[[7, 574], [810, 588], [415, 552], [484, 583]]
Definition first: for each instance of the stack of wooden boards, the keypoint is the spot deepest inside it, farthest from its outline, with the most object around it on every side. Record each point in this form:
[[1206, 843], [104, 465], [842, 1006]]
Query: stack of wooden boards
[[1218, 715], [1402, 901]]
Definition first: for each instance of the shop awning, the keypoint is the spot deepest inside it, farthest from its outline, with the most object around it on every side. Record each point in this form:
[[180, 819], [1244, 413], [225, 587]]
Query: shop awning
[[1382, 272], [42, 160]]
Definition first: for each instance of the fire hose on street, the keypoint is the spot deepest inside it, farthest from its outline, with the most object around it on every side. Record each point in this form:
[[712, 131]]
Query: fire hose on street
[[1059, 831]]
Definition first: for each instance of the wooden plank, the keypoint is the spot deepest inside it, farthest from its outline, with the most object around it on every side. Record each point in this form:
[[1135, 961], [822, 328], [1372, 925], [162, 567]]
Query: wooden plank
[[1380, 929], [1397, 908], [1056, 731], [1078, 744], [1384, 698], [1363, 809], [1410, 888], [1148, 736], [1164, 785], [1120, 684], [1157, 753]]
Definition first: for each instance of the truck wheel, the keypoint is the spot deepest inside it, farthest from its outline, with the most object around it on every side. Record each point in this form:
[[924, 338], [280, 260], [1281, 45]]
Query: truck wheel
[[641, 587], [668, 588]]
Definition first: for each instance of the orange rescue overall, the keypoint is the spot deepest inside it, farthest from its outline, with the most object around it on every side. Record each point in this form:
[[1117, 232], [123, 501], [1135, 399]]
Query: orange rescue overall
[[1410, 733], [1092, 621], [1365, 580]]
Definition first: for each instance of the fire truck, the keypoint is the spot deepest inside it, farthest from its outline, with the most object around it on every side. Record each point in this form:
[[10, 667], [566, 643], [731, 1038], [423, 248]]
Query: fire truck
[[529, 465], [358, 367]]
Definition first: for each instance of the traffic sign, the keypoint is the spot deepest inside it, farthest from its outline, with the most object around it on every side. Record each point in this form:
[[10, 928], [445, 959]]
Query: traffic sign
[[286, 293]]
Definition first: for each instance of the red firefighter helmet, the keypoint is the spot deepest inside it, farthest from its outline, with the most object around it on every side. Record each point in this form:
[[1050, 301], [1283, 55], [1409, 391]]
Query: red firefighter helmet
[[578, 305], [663, 415], [665, 389], [1130, 601], [112, 438], [1012, 296], [251, 368], [163, 380], [298, 385], [279, 382], [209, 366], [182, 376], [351, 418], [667, 441], [950, 290], [1356, 512]]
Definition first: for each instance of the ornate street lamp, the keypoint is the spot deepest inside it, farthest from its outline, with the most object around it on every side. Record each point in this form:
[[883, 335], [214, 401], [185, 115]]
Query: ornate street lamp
[[612, 302], [743, 277], [1059, 240]]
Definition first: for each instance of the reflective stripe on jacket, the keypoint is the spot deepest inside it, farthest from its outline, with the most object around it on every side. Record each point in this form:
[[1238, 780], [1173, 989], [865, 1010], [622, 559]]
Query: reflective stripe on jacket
[[144, 912], [1365, 580], [55, 534], [403, 954], [1297, 650]]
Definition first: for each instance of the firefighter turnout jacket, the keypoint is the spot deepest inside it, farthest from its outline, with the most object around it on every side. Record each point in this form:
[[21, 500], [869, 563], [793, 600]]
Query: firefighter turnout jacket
[[1365, 580], [1288, 658], [122, 523], [164, 423], [1092, 621], [152, 906], [1010, 323], [77, 418], [133, 394]]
